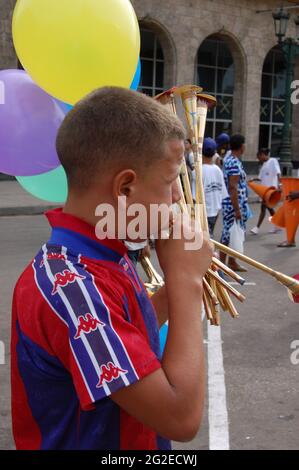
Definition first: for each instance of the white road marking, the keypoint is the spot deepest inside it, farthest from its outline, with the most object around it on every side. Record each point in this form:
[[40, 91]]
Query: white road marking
[[218, 415], [245, 284]]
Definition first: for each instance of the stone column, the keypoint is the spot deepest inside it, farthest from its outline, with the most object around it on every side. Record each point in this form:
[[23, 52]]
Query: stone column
[[8, 58], [295, 123], [250, 125]]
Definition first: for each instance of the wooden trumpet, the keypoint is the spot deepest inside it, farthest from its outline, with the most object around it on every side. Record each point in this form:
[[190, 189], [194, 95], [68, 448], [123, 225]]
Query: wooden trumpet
[[216, 291], [155, 281], [196, 106], [287, 281], [188, 94]]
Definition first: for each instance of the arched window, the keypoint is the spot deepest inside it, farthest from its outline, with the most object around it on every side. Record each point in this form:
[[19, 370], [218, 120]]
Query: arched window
[[152, 63], [272, 100], [216, 74]]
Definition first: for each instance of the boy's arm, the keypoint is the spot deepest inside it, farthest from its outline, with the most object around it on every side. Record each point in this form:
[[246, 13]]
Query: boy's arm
[[276, 169], [160, 302], [170, 401]]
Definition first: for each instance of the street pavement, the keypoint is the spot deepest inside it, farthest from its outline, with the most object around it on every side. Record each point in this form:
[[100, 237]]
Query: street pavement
[[261, 383], [14, 200]]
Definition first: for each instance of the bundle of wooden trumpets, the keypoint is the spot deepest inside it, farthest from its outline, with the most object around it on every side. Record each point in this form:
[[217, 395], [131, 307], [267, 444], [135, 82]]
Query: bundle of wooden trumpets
[[217, 292]]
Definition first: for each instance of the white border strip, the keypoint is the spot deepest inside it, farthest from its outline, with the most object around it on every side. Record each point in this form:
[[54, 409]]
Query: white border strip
[[75, 322], [218, 415]]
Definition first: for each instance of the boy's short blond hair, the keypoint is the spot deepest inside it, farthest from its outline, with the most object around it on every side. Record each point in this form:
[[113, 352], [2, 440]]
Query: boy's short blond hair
[[113, 127]]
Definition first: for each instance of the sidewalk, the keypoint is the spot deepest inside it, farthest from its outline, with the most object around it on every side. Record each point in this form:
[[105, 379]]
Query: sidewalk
[[14, 200]]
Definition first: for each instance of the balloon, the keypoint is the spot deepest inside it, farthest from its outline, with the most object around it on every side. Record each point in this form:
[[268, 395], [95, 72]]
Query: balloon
[[64, 106], [136, 81], [29, 121], [163, 336], [70, 47], [51, 186]]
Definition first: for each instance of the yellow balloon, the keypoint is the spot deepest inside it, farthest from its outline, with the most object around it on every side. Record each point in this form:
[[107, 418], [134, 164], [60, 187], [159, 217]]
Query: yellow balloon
[[71, 47]]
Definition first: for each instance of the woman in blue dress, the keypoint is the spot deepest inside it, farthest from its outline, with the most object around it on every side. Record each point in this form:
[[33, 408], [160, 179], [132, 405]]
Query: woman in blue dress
[[234, 207]]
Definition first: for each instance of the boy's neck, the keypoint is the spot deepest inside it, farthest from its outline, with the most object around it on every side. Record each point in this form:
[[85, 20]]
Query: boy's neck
[[76, 211], [207, 161], [82, 207]]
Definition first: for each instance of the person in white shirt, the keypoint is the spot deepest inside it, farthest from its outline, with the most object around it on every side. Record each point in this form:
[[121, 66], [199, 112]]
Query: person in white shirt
[[189, 158], [213, 182], [269, 176]]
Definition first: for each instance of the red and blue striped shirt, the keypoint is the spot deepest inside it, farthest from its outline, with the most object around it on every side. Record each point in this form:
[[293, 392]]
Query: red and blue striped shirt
[[83, 327]]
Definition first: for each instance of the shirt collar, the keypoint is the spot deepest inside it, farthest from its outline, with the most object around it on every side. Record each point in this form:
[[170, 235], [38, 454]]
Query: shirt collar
[[78, 235]]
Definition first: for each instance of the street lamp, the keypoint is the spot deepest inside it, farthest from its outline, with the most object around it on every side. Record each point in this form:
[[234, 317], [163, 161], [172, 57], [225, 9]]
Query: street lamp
[[290, 49], [281, 19], [297, 27]]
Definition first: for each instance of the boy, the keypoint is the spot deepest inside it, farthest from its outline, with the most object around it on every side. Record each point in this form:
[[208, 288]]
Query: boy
[[269, 176], [214, 185], [86, 367]]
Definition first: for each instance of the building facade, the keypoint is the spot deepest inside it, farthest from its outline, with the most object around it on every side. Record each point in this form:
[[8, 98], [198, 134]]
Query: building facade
[[222, 45]]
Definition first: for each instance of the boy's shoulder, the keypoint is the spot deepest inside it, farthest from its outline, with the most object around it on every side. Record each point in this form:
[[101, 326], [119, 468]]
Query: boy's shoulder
[[273, 161], [211, 167], [57, 292], [55, 278], [231, 162], [216, 169]]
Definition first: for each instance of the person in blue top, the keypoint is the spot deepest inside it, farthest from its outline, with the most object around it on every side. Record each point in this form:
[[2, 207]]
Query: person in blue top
[[235, 206]]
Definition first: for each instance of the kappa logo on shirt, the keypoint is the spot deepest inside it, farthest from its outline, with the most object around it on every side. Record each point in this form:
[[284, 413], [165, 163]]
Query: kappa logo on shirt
[[65, 278], [50, 256], [86, 324], [109, 373]]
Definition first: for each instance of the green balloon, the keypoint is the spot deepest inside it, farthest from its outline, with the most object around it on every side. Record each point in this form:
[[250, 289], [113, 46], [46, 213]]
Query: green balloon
[[51, 186]]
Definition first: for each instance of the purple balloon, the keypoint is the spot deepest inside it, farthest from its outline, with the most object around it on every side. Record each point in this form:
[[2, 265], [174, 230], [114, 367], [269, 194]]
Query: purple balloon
[[29, 121]]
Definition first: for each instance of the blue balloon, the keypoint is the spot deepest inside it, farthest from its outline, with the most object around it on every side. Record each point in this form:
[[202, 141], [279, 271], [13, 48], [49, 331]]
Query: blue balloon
[[136, 80], [163, 336], [65, 107]]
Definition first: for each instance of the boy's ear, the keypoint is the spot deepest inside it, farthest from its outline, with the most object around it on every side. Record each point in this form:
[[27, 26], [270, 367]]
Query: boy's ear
[[124, 183]]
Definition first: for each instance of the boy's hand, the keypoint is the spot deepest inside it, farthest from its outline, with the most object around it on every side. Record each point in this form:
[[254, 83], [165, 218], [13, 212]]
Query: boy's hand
[[170, 400], [179, 262]]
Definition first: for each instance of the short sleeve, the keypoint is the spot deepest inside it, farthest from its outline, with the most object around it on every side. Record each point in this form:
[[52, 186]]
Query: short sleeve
[[277, 167], [97, 343], [232, 167]]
